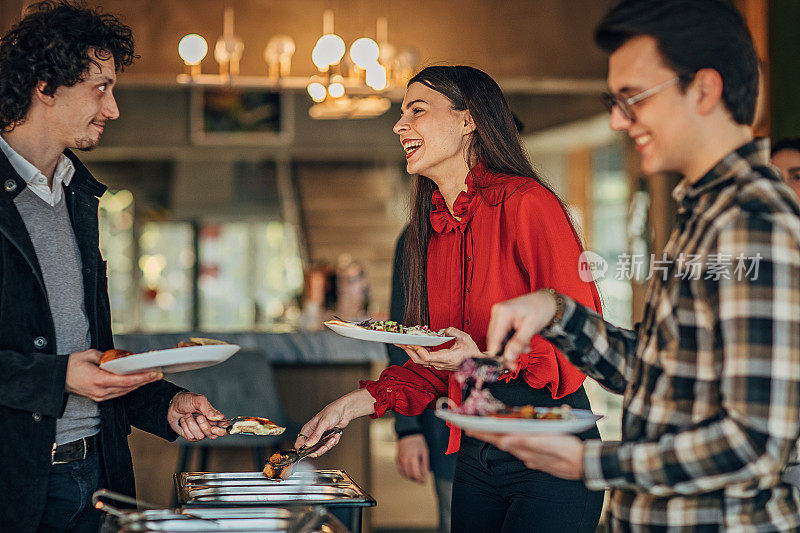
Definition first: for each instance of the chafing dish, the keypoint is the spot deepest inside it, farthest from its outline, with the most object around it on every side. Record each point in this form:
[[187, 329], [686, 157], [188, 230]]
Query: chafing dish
[[295, 519], [333, 489], [324, 477]]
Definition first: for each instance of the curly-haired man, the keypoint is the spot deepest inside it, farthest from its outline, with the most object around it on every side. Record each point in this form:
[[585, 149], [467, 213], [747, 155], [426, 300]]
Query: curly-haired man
[[66, 420]]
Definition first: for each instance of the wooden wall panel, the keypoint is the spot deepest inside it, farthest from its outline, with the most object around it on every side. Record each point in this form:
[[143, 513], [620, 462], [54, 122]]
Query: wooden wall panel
[[579, 192], [756, 14], [358, 209], [502, 37]]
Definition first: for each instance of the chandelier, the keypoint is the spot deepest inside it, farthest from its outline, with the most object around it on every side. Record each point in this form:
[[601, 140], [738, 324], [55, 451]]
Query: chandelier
[[361, 84]]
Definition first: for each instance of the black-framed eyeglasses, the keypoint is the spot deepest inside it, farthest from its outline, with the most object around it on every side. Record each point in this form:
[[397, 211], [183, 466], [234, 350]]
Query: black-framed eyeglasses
[[625, 104]]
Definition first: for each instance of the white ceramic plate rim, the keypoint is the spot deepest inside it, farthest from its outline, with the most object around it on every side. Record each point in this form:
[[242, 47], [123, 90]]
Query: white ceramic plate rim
[[387, 336], [586, 419], [172, 359]]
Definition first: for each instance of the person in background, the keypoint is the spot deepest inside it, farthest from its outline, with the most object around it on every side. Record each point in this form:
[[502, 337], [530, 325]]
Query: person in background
[[786, 156], [66, 421], [711, 376], [484, 227], [421, 439]]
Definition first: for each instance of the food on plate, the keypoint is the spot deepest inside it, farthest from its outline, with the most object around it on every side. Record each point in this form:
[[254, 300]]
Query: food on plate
[[256, 425], [480, 402], [389, 326], [198, 341], [110, 355], [530, 412]]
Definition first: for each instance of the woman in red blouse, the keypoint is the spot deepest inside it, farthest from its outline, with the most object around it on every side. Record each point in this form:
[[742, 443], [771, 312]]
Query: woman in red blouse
[[484, 228]]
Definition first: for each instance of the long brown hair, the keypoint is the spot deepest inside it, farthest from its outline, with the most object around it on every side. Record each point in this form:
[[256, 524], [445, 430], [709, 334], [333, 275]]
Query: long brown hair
[[495, 142]]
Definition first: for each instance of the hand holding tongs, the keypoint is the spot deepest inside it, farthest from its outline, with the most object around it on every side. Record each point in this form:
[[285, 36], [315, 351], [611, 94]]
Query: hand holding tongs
[[280, 463], [488, 367]]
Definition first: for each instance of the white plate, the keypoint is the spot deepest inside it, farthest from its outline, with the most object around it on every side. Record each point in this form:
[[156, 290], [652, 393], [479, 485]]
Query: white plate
[[585, 420], [387, 336], [172, 359]]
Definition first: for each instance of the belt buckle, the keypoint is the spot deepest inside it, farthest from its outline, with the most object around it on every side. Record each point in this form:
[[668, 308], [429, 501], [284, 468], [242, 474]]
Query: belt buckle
[[53, 457]]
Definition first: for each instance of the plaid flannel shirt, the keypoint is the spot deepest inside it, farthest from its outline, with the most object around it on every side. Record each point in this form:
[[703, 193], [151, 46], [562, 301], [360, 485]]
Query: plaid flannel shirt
[[711, 376]]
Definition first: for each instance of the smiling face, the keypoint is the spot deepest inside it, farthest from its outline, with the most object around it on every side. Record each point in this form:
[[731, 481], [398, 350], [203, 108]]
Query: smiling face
[[435, 136], [788, 162], [80, 112], [664, 129]]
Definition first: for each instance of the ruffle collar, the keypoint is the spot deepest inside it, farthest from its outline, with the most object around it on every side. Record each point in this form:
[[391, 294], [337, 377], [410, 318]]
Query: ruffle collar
[[464, 207]]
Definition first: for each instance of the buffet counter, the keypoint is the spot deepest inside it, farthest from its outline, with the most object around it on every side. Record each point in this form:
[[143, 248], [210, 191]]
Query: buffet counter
[[285, 376]]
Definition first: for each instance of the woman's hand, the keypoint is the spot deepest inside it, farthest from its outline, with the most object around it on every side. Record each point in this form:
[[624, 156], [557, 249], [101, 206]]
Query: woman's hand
[[412, 458], [449, 358], [336, 414]]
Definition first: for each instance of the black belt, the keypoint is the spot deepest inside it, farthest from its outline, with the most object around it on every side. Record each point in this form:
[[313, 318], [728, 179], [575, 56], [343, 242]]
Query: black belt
[[73, 451]]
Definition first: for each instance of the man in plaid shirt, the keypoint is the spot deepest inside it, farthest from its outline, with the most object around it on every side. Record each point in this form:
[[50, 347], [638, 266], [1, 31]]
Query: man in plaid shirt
[[711, 376]]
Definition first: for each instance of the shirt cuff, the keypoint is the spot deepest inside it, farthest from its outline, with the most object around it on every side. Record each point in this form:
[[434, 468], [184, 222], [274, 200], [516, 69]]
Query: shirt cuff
[[599, 460], [382, 395]]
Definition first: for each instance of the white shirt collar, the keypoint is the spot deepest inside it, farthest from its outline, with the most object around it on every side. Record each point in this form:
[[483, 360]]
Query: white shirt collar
[[37, 182]]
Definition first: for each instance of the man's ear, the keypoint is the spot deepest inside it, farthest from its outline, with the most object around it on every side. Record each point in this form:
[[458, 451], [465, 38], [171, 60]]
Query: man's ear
[[708, 84], [469, 124], [40, 95]]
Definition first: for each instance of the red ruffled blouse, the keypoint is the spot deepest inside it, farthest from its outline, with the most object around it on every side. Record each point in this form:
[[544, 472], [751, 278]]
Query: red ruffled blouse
[[512, 238]]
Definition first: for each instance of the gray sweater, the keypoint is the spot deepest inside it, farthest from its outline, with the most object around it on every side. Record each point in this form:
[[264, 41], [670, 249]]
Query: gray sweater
[[52, 237]]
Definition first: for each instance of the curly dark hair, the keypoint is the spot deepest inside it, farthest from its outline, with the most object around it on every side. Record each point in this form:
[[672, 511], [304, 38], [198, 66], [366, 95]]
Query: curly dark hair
[[55, 43]]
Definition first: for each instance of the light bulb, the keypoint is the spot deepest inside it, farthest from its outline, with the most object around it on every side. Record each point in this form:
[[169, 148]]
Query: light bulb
[[279, 47], [316, 91], [192, 49], [278, 55], [328, 51], [228, 48], [336, 87], [364, 51], [376, 76]]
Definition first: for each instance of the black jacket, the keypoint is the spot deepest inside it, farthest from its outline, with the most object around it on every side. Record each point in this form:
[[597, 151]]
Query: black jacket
[[434, 430], [32, 375]]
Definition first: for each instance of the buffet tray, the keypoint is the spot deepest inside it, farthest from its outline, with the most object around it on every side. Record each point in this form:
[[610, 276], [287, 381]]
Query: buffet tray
[[241, 520], [324, 487], [323, 477]]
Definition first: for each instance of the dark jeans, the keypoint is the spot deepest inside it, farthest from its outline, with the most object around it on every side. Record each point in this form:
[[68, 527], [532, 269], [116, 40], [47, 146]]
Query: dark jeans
[[69, 497], [493, 491]]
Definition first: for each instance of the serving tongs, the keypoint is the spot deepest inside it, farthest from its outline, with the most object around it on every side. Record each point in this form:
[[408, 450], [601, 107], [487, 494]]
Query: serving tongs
[[129, 517], [280, 464], [485, 369]]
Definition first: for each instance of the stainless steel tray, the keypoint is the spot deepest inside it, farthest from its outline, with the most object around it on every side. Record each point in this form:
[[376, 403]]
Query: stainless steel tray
[[328, 487], [241, 520], [320, 477], [203, 491]]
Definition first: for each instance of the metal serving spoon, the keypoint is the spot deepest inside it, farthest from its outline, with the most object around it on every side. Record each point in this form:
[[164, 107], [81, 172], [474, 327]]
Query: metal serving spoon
[[281, 467]]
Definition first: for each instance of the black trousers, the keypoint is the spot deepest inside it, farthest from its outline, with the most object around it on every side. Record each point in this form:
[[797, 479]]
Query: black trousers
[[493, 491]]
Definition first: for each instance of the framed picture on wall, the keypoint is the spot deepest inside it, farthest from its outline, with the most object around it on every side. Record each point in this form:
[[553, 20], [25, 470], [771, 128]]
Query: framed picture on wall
[[241, 116]]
